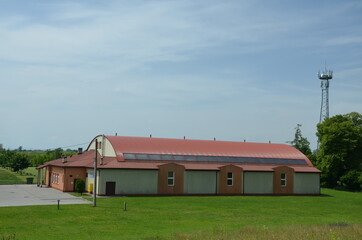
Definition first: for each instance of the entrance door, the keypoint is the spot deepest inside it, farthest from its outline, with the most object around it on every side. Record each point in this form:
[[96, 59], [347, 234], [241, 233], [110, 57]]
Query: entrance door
[[110, 188]]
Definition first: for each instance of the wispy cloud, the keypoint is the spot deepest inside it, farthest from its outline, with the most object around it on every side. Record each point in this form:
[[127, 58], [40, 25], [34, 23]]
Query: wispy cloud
[[344, 40], [228, 64], [157, 31]]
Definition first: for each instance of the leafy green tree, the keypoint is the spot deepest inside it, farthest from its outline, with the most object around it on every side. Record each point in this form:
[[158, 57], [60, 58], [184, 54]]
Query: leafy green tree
[[2, 156], [313, 157], [352, 180], [38, 157], [19, 162], [301, 143], [79, 186], [6, 158], [2, 159], [54, 154], [340, 147], [14, 160]]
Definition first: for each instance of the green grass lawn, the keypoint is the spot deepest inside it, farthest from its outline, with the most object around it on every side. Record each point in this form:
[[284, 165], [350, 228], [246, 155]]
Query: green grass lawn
[[336, 214], [9, 177]]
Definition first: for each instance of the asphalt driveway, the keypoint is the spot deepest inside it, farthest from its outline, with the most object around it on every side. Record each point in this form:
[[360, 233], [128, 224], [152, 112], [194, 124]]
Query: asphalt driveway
[[25, 195]]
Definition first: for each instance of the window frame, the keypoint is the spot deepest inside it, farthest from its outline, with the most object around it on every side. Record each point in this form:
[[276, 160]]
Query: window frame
[[228, 178], [170, 178], [283, 179]]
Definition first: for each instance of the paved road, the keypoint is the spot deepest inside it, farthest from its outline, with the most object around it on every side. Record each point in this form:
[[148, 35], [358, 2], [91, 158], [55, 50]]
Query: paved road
[[25, 195]]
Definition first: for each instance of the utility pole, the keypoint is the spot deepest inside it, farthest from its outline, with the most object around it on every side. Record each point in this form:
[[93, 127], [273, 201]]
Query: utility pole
[[95, 174]]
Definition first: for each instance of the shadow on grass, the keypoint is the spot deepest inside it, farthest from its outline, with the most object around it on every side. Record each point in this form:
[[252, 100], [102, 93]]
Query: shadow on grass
[[325, 195], [342, 189]]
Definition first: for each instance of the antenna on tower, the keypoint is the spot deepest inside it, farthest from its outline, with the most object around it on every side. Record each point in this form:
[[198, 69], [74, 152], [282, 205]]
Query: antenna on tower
[[324, 76]]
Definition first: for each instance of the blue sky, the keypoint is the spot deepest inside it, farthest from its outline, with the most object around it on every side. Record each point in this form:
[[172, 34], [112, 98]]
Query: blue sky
[[233, 70]]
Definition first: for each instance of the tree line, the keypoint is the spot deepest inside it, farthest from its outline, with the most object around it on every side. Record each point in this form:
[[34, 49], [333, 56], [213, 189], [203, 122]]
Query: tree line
[[339, 156], [20, 159]]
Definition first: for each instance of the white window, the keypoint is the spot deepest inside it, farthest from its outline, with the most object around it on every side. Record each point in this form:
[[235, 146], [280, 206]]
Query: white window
[[283, 179], [55, 178], [170, 178], [229, 179]]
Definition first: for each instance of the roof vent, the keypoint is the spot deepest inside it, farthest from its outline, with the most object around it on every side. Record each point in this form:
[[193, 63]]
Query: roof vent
[[64, 159], [150, 135], [80, 150]]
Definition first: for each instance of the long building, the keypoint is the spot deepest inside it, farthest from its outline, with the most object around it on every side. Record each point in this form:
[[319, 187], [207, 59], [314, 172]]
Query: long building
[[162, 166]]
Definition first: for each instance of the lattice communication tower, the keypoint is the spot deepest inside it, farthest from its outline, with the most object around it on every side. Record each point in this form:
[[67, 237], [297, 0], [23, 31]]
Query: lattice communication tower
[[325, 76]]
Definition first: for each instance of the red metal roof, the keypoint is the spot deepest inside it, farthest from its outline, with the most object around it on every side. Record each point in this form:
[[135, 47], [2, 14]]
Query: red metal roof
[[87, 160], [204, 166], [202, 148], [123, 145]]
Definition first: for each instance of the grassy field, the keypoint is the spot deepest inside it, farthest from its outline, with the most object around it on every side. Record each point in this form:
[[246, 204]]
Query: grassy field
[[9, 177], [335, 215]]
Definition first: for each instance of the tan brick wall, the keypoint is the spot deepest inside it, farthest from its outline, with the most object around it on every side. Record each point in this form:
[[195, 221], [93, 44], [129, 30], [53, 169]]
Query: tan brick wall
[[70, 175], [63, 178], [236, 188], [277, 187], [55, 177], [178, 187]]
